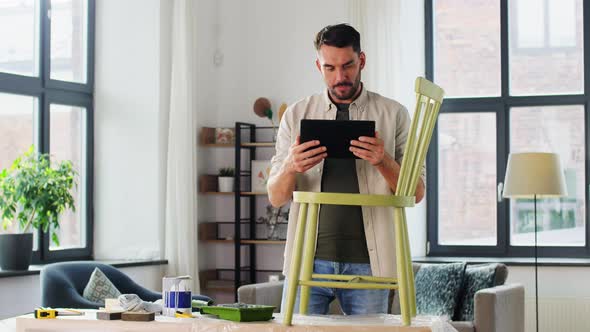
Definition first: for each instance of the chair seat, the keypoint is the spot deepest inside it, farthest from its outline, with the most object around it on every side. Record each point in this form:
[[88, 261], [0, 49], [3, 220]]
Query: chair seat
[[348, 285], [353, 278], [353, 199]]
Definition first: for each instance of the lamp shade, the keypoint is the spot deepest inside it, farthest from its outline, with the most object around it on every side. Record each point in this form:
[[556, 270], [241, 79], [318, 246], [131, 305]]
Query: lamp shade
[[534, 173]]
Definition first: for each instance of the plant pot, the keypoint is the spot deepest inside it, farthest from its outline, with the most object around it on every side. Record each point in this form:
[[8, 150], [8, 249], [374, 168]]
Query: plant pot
[[16, 251], [226, 184]]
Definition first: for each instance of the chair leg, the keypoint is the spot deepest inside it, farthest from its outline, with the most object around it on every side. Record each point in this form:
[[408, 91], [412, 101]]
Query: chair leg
[[295, 265], [410, 271], [401, 267], [308, 255]]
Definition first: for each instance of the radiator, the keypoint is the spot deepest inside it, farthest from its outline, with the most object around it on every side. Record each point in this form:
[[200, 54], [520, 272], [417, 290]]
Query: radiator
[[558, 314]]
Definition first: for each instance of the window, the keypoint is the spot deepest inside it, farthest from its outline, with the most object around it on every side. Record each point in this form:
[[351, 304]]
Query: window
[[513, 72], [67, 142], [20, 35], [546, 54], [68, 40], [46, 91], [544, 24], [17, 129]]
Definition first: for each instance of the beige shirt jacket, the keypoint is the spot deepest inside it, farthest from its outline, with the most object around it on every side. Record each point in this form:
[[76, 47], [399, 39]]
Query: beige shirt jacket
[[392, 121]]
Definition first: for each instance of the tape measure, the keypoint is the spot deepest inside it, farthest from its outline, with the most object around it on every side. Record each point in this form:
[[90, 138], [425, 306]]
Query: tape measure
[[45, 313]]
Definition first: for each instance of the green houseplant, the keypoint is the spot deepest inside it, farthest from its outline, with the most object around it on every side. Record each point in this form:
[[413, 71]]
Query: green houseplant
[[226, 179], [33, 194]]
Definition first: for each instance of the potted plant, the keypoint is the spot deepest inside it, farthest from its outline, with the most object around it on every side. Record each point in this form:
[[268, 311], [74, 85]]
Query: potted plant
[[226, 179], [33, 194]]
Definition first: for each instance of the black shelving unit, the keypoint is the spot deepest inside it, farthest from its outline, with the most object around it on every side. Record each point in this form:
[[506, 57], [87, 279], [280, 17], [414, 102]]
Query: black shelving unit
[[248, 147]]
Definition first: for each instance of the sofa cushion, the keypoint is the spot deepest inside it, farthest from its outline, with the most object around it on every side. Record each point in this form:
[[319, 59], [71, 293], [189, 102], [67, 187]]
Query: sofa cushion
[[437, 288], [478, 277], [501, 274], [99, 288], [463, 326]]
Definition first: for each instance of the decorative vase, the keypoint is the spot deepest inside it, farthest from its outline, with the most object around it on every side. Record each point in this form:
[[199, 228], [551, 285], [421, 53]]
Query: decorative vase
[[16, 251], [272, 232], [226, 184]]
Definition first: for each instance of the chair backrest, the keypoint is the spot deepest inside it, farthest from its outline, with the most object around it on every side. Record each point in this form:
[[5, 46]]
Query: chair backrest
[[77, 274], [429, 98]]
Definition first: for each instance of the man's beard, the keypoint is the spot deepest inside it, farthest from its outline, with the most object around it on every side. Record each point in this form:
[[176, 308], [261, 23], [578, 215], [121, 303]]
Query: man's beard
[[355, 87]]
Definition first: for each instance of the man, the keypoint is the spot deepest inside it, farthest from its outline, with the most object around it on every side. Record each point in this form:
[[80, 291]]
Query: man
[[351, 239]]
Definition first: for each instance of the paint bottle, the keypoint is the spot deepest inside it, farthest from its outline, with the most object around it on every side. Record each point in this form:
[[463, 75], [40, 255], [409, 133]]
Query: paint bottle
[[176, 295]]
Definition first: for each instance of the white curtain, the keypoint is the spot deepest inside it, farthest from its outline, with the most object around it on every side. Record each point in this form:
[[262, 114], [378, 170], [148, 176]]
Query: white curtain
[[392, 36], [378, 23], [181, 192]]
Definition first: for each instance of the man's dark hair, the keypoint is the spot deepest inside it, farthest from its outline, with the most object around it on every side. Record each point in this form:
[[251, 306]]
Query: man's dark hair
[[339, 35]]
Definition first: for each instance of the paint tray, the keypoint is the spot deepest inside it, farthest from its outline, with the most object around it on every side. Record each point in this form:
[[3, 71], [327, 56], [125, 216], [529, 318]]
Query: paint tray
[[240, 312]]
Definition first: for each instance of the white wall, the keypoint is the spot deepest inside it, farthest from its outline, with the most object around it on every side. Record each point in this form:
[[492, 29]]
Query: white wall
[[267, 48], [127, 143], [22, 294], [411, 65], [564, 297], [207, 31]]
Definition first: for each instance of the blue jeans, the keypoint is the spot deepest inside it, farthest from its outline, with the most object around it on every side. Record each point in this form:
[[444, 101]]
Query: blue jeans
[[352, 301]]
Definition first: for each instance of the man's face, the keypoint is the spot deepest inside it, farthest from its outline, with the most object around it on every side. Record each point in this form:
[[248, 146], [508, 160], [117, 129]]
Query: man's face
[[341, 69]]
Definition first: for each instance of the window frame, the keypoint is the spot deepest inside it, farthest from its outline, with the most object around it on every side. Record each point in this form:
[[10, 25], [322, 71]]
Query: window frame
[[501, 106], [49, 91]]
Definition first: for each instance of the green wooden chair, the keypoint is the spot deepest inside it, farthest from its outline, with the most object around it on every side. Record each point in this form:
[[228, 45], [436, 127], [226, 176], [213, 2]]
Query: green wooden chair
[[428, 101]]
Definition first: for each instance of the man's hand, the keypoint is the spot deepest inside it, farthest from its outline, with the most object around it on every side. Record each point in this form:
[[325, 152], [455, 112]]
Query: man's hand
[[370, 149], [299, 161], [282, 185]]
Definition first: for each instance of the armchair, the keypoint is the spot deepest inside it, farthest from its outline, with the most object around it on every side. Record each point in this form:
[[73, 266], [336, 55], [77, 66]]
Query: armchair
[[62, 285]]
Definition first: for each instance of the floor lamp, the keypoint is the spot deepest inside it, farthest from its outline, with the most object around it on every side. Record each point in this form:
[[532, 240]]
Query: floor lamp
[[533, 175]]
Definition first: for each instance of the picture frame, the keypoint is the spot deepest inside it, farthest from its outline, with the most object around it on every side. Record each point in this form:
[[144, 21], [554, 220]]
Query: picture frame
[[225, 136], [260, 174]]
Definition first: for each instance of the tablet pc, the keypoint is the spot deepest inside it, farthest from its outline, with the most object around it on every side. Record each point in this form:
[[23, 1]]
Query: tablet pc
[[336, 135]]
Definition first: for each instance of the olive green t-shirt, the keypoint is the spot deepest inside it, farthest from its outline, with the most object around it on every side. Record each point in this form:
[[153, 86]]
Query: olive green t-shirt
[[341, 234]]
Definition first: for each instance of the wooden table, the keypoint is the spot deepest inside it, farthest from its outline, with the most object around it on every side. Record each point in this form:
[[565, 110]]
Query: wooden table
[[377, 323]]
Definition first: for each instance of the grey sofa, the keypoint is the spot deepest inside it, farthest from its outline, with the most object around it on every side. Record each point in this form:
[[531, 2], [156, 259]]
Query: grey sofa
[[496, 309]]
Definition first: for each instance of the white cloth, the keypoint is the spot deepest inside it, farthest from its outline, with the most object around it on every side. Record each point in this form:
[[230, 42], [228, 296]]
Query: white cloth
[[205, 323], [378, 23], [132, 302], [181, 196], [392, 34]]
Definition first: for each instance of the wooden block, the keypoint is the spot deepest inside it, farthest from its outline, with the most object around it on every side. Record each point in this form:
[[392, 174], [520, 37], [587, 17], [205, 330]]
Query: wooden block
[[207, 135], [205, 276], [108, 315], [138, 316], [208, 231], [208, 183]]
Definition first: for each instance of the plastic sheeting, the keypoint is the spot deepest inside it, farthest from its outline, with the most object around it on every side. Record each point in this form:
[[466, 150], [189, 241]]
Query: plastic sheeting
[[372, 323]]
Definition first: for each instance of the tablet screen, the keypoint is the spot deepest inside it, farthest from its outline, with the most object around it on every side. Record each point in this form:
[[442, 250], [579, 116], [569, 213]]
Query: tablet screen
[[336, 135]]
